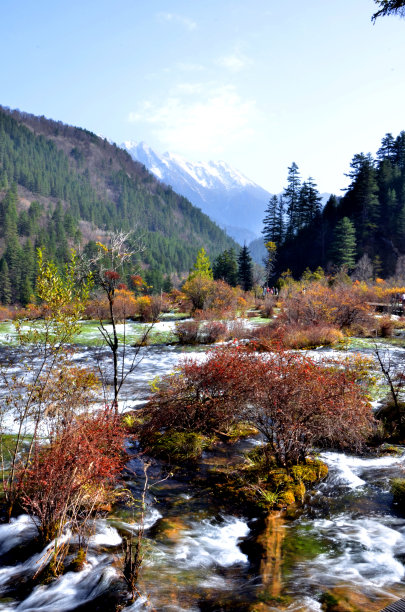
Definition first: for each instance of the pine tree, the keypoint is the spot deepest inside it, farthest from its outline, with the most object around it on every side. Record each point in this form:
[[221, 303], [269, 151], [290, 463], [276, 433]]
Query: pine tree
[[387, 151], [226, 268], [5, 284], [273, 222], [10, 215], [362, 198], [270, 260], [309, 203], [344, 244], [291, 198], [270, 220], [245, 269], [13, 256]]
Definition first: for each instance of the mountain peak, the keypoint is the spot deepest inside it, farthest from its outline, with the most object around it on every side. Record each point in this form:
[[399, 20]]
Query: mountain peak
[[221, 191]]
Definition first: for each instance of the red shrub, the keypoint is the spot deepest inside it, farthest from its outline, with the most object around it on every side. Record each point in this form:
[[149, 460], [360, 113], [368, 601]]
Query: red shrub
[[294, 401], [71, 475], [188, 332], [214, 331]]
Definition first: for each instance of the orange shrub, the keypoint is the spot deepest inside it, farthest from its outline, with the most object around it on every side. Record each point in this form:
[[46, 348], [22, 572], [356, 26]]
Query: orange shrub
[[309, 337], [97, 309], [143, 307], [224, 300], [344, 307], [7, 313], [125, 304], [32, 312]]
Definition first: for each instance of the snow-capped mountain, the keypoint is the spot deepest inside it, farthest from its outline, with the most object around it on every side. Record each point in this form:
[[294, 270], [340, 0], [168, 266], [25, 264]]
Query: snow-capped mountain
[[236, 203]]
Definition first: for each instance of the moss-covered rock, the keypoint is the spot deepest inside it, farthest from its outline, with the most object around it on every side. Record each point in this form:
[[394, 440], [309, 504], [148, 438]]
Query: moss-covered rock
[[398, 490], [331, 603], [262, 483], [299, 491], [286, 498], [241, 430], [177, 446], [78, 561]]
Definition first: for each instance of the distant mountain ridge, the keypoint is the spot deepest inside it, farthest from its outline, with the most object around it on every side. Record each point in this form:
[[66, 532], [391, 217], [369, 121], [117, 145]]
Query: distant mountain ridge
[[63, 187], [235, 202]]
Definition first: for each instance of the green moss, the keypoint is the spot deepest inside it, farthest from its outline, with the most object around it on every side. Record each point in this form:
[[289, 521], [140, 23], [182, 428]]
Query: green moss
[[312, 471], [178, 446], [78, 562], [241, 430], [327, 600], [389, 449], [286, 498], [299, 491], [398, 489], [331, 603]]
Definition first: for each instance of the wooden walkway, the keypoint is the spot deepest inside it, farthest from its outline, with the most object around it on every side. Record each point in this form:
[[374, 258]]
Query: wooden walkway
[[397, 606]]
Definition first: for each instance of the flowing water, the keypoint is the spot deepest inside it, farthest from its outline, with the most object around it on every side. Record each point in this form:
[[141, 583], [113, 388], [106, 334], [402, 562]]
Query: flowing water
[[348, 541]]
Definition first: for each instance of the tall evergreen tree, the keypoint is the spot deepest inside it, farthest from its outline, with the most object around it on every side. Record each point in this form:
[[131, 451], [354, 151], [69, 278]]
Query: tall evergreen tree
[[273, 222], [388, 149], [245, 269], [291, 198], [270, 220], [363, 200], [309, 203], [5, 284], [226, 268], [344, 244]]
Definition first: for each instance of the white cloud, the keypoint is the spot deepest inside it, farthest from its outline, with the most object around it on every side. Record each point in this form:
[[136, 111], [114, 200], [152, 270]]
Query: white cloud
[[233, 62], [209, 124], [190, 88], [190, 67], [186, 22]]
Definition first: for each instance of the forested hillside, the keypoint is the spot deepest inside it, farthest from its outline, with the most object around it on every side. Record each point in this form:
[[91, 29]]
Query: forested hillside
[[62, 186], [366, 224]]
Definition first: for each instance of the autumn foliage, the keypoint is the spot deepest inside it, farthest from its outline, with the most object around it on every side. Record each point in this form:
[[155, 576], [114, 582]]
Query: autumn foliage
[[293, 401], [70, 479], [344, 307]]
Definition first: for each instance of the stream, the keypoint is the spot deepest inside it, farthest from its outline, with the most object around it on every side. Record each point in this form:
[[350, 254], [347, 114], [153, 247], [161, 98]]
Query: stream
[[348, 540]]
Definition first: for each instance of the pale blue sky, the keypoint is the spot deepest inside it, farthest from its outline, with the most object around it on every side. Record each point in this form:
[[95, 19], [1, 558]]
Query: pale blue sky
[[257, 83]]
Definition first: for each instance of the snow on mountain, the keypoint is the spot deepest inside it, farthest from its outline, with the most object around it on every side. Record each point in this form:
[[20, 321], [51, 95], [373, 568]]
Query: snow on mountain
[[232, 200]]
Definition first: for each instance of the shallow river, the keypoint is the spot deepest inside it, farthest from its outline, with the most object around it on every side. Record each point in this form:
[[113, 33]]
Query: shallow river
[[349, 540]]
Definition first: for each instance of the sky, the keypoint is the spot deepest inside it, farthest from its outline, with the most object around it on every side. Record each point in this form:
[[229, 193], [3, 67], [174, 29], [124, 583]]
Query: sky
[[255, 83]]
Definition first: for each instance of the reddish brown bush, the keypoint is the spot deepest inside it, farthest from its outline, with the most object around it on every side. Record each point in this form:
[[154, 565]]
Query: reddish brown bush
[[267, 306], [68, 479], [214, 331], [298, 403], [200, 397], [385, 327], [238, 330], [97, 309], [295, 402], [343, 307], [187, 332]]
